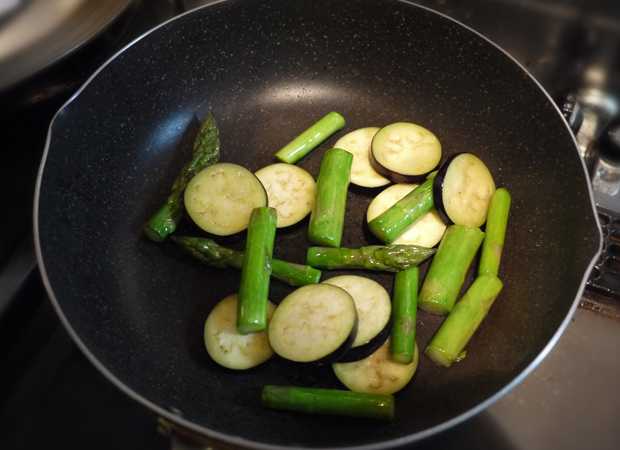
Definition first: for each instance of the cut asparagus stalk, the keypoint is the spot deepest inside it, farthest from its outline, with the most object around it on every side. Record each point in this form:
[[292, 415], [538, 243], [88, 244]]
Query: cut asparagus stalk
[[495, 232], [311, 138], [427, 231], [404, 311], [447, 271], [390, 258], [329, 401], [327, 217], [393, 222], [206, 152], [256, 271], [213, 255], [460, 325]]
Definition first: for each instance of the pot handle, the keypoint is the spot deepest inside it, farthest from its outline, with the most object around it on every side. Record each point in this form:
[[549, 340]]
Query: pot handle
[[179, 443], [185, 439]]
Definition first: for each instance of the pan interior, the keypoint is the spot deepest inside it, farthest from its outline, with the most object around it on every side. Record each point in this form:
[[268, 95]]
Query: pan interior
[[268, 69]]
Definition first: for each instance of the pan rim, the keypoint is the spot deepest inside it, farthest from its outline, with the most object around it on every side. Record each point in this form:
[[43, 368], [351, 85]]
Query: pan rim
[[245, 443]]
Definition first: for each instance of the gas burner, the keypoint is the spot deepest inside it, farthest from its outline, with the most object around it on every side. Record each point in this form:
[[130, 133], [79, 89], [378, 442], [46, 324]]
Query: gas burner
[[605, 277], [590, 102]]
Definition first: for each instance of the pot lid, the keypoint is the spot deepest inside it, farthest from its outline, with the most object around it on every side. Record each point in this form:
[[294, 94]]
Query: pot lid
[[36, 33]]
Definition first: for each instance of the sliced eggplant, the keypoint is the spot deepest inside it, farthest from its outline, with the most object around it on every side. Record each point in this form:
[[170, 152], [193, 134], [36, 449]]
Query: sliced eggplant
[[290, 190], [427, 231], [358, 143], [226, 346], [315, 323], [373, 304], [404, 152], [367, 349], [378, 373], [221, 197], [462, 190]]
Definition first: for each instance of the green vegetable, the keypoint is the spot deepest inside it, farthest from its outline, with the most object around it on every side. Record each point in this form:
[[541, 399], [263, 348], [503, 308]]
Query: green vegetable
[[329, 401], [455, 332], [311, 138], [212, 254], [461, 356], [327, 217], [446, 273], [256, 271], [400, 216], [206, 152], [495, 232], [390, 258], [404, 311]]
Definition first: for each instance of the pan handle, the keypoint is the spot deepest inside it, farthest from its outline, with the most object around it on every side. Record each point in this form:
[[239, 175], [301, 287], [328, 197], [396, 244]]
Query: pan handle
[[185, 439], [179, 443]]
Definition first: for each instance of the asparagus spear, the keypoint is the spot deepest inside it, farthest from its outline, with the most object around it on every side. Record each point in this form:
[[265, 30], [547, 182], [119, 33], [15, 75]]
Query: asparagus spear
[[404, 311], [327, 217], [256, 271], [206, 152], [495, 232], [311, 138], [460, 325], [390, 258], [446, 273], [329, 401], [402, 214], [212, 254]]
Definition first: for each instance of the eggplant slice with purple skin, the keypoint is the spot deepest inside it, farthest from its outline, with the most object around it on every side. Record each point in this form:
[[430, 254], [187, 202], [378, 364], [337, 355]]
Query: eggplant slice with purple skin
[[367, 349], [316, 323], [220, 198], [227, 346], [290, 190], [378, 373], [462, 190], [374, 309], [359, 144], [405, 152]]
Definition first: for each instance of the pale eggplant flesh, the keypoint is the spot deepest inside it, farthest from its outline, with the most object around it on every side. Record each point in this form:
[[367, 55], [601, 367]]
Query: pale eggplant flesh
[[469, 199]]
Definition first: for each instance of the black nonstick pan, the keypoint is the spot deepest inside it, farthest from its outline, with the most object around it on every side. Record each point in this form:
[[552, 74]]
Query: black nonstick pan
[[268, 69]]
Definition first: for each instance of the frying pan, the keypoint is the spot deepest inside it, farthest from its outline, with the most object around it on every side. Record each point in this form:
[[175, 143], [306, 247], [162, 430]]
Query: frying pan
[[268, 69]]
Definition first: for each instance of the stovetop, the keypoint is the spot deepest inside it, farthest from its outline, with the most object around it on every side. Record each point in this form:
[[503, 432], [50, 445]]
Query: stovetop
[[52, 397]]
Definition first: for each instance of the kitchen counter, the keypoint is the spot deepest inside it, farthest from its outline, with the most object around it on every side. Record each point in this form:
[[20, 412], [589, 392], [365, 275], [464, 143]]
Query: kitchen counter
[[572, 399]]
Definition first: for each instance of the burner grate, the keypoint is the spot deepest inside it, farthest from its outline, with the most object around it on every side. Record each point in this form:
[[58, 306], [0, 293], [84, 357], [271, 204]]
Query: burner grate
[[605, 277]]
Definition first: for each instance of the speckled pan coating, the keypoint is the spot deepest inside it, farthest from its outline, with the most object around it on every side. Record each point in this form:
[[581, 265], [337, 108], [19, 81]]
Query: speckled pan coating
[[268, 69]]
